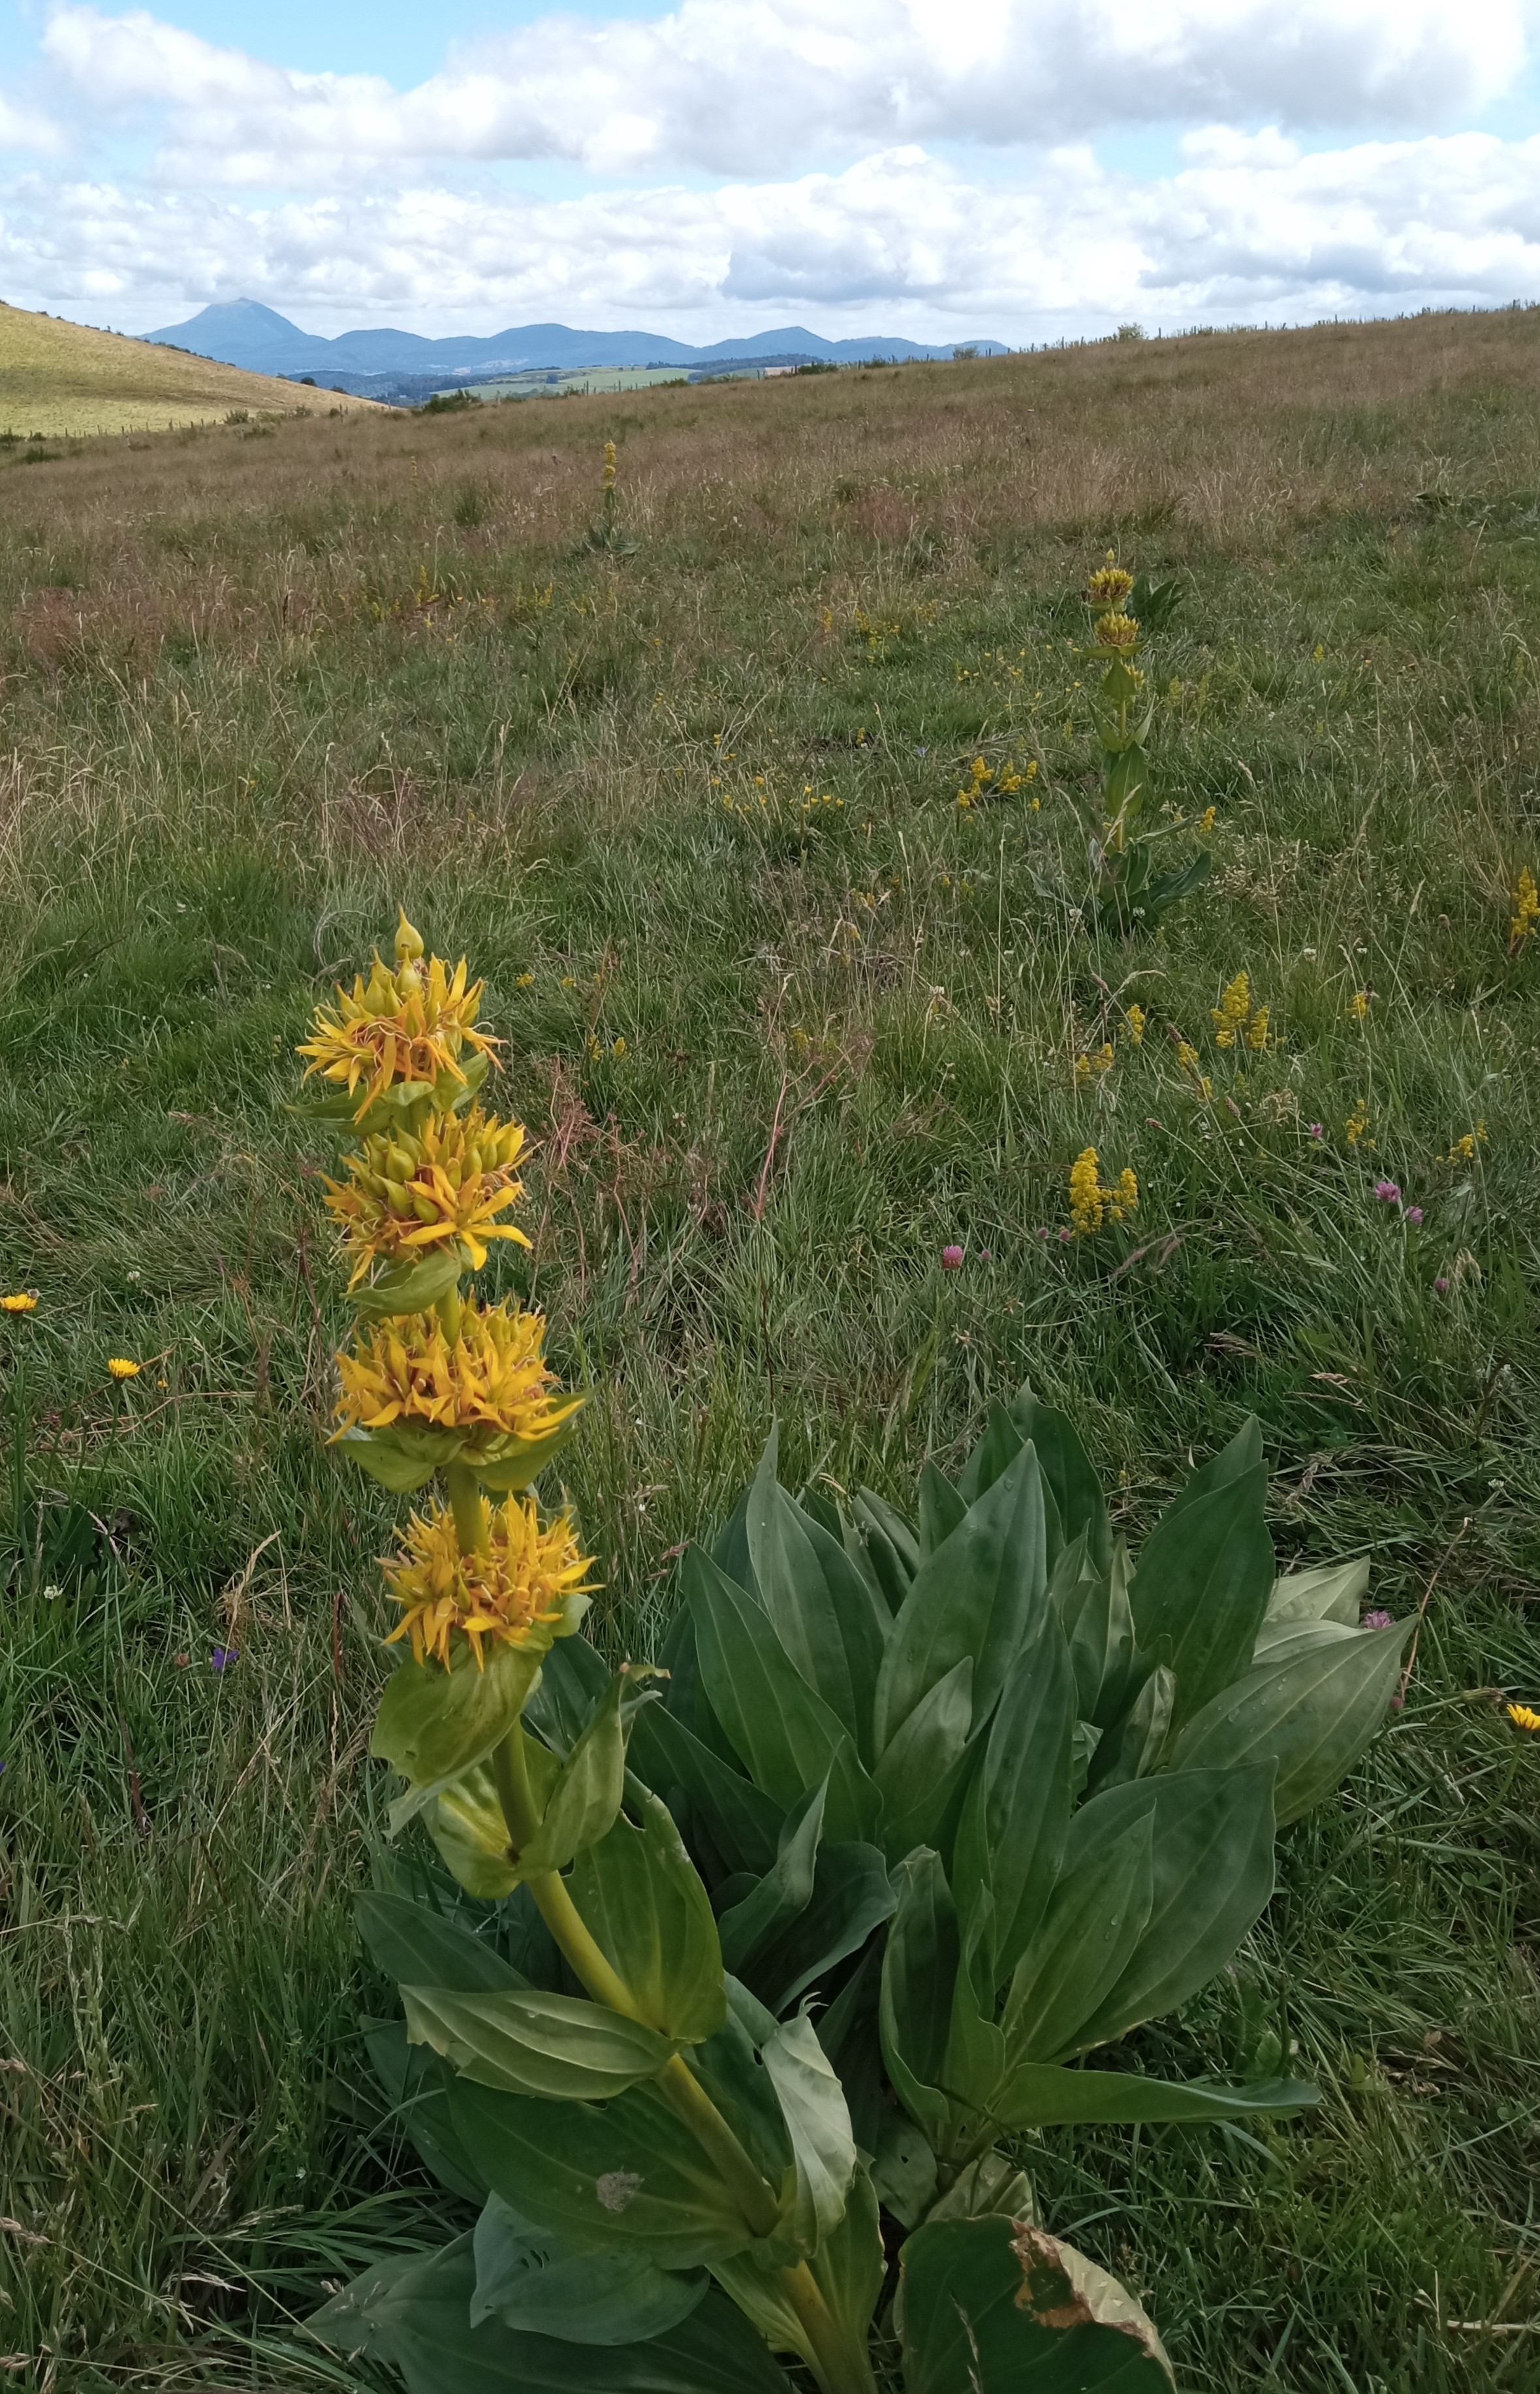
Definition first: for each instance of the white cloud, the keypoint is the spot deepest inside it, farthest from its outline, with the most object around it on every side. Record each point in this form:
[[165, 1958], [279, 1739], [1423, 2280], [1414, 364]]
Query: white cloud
[[730, 87], [900, 242]]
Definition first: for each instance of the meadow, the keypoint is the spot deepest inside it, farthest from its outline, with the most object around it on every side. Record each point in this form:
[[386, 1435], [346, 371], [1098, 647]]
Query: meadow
[[64, 381], [787, 1020]]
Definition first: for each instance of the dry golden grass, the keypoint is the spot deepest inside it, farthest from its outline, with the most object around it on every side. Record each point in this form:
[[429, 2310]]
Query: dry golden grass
[[58, 378]]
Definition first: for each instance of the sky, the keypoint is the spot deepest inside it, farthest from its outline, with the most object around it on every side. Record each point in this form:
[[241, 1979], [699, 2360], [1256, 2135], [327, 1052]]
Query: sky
[[1025, 170]]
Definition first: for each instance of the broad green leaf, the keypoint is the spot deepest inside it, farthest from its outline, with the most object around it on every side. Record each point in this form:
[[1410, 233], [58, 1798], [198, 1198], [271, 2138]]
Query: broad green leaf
[[409, 1287], [919, 1976], [849, 2265], [729, 2069], [399, 1462], [1098, 1622], [1211, 1860], [572, 1678], [977, 1594], [587, 1793], [757, 2288], [1134, 1748], [742, 1822], [820, 1507], [731, 1552], [1332, 1592], [975, 2059], [420, 1947], [941, 1508], [527, 2042], [625, 2172], [758, 1919], [509, 1466], [820, 1607], [1010, 1839], [1312, 1709], [641, 1898], [416, 2084], [434, 1723], [1205, 1573], [991, 2188], [414, 2315], [888, 1544], [914, 1776], [852, 1894], [1276, 1638], [1039, 2095], [994, 1453], [784, 1731], [1068, 1475], [993, 2306], [543, 2284], [812, 2105], [903, 2168], [464, 1820], [1089, 1934]]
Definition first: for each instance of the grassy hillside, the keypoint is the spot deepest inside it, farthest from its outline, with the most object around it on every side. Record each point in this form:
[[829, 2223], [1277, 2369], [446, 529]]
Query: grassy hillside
[[787, 1019], [59, 378]]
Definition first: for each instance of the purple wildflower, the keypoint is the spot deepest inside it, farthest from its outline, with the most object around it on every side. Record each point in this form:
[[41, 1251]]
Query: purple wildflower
[[1318, 1130], [1414, 1215], [223, 1656], [1375, 1621], [1388, 1192], [1441, 1285], [952, 1258]]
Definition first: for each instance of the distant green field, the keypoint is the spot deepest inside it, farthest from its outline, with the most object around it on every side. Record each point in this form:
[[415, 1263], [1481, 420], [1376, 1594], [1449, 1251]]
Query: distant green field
[[549, 384], [788, 1022]]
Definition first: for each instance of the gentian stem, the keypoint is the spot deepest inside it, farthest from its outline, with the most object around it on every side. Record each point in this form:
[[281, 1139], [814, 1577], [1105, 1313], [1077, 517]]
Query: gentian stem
[[470, 1513]]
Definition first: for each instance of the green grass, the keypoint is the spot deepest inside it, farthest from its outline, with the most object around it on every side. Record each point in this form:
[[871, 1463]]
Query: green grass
[[257, 694]]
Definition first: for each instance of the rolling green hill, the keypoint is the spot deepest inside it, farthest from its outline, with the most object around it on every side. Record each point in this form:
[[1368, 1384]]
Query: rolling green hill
[[58, 378]]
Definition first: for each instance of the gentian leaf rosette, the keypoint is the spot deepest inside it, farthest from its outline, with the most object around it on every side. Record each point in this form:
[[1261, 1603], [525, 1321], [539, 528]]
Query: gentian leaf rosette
[[416, 1400], [406, 1034]]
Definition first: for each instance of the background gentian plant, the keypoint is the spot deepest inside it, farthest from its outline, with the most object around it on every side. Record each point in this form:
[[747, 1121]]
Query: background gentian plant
[[734, 1990]]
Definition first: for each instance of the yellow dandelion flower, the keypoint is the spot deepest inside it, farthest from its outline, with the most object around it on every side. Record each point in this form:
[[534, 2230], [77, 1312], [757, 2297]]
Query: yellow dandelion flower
[[1087, 1198], [1109, 586], [410, 1024], [524, 1587], [1358, 1005], [22, 1301], [491, 1381], [1526, 909], [1523, 1717], [1136, 1020], [1116, 630], [408, 1193], [123, 1368]]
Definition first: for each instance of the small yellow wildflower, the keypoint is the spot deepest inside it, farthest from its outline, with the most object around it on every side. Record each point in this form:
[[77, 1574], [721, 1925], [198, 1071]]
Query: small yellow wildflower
[[491, 1380], [608, 465], [1463, 1150], [1087, 1202], [1257, 1030], [22, 1301], [1090, 1204], [1358, 1005], [407, 1193], [1233, 1011], [123, 1368], [410, 1024], [525, 981], [1187, 1056], [1526, 909], [1135, 1017], [1205, 821], [1356, 1123], [1116, 630], [523, 1588], [1523, 1717], [1109, 586]]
